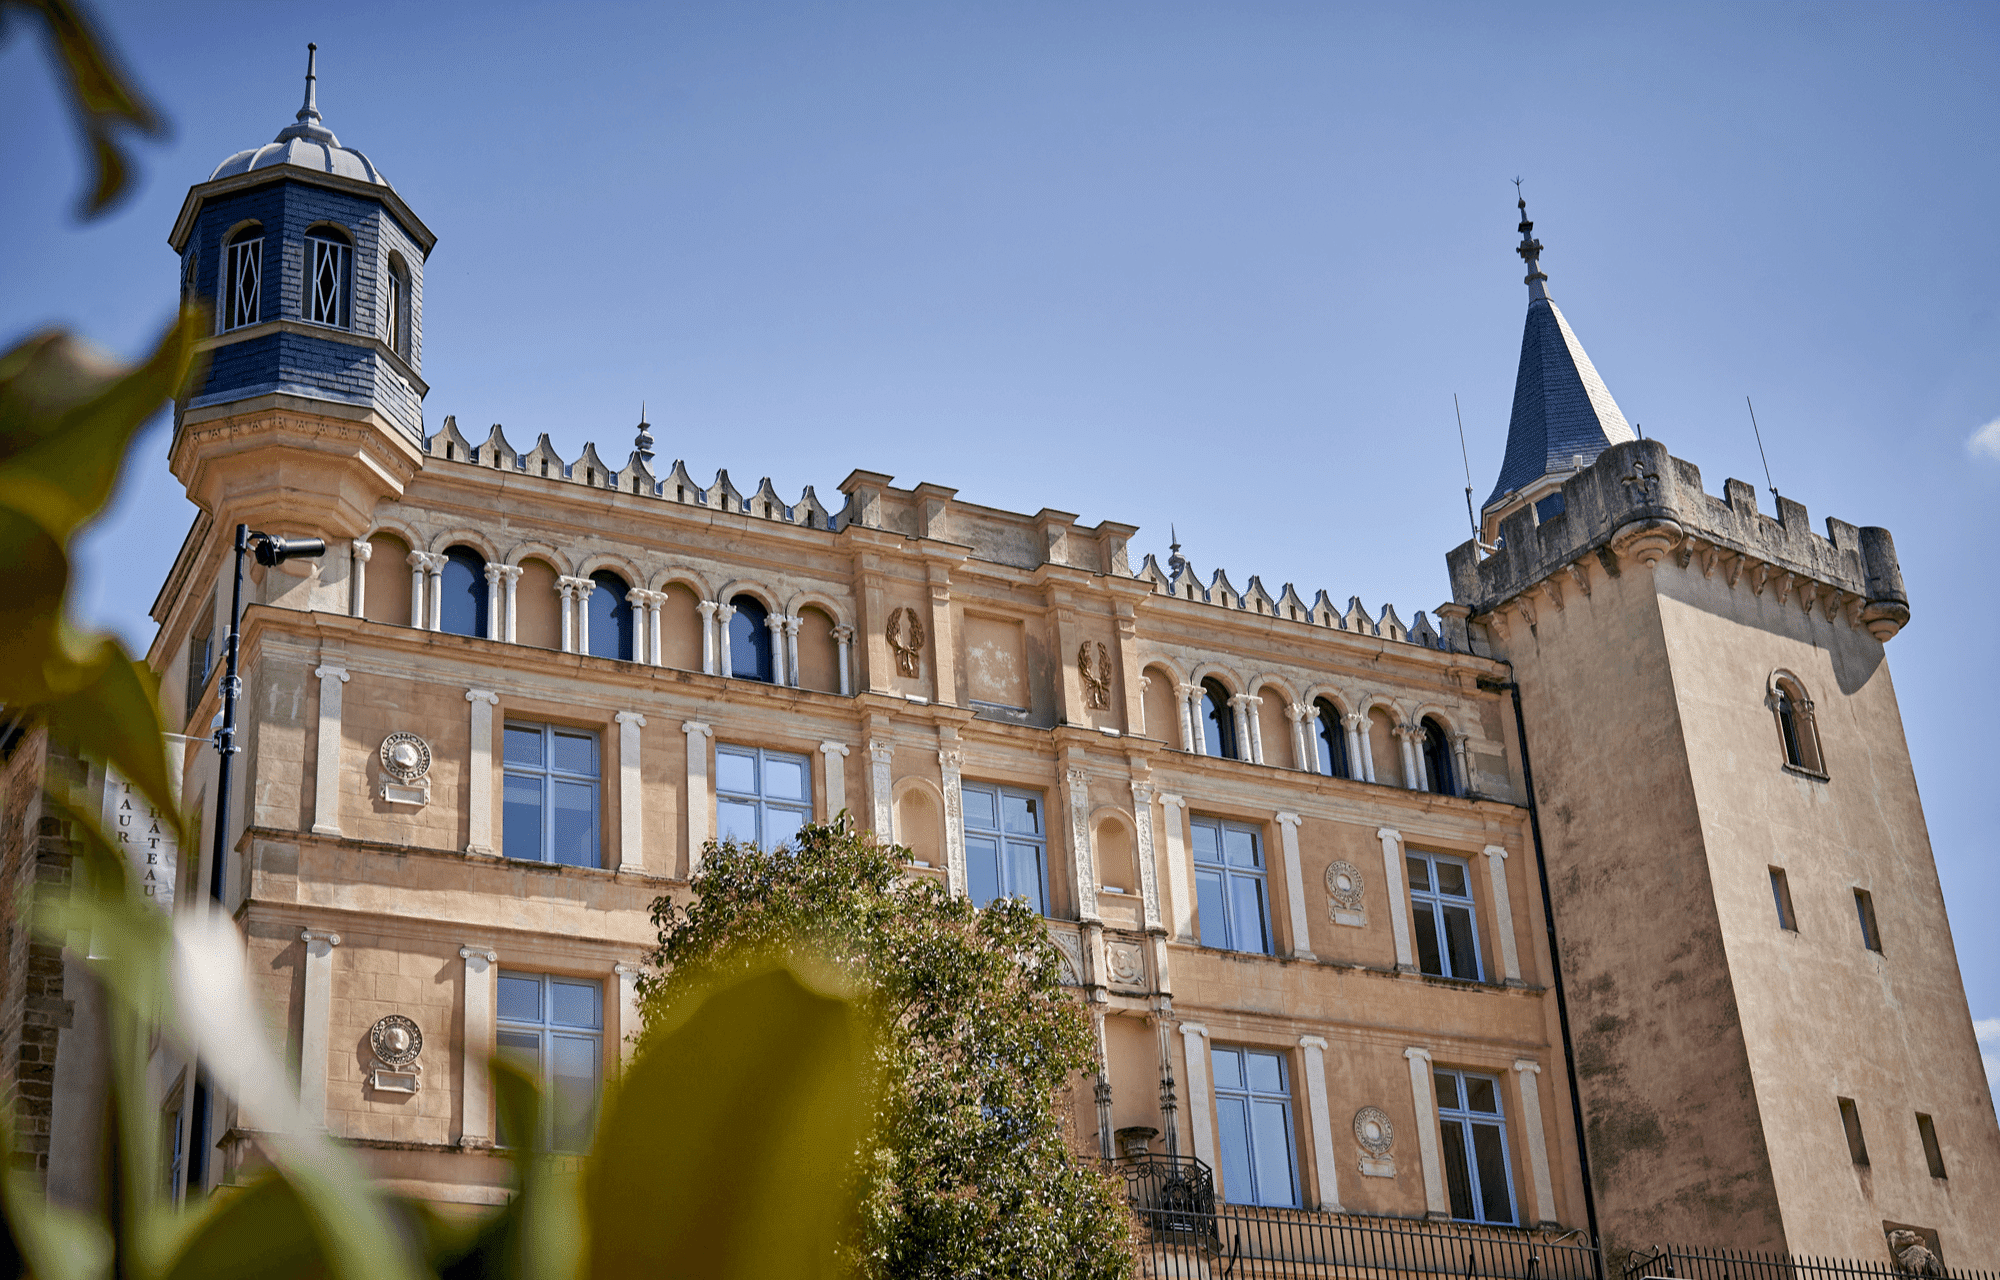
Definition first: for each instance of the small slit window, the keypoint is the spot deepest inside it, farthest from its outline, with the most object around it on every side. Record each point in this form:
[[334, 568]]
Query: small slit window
[[329, 259], [1781, 897], [1864, 907], [1933, 1154], [1850, 1119], [1798, 730], [397, 329]]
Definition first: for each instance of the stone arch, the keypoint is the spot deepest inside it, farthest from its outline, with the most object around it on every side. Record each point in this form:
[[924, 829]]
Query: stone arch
[[386, 597], [1446, 720], [1204, 670], [615, 563], [1342, 701], [683, 576], [1160, 701], [401, 528], [919, 817], [824, 603], [1798, 727], [460, 535], [746, 587], [522, 551], [819, 652], [1279, 744], [1115, 841]]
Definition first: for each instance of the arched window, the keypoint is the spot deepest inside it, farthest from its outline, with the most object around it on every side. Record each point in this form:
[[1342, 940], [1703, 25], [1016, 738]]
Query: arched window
[[1437, 758], [1797, 727], [396, 330], [749, 640], [462, 602], [243, 277], [1218, 726], [1331, 740], [610, 617], [329, 262]]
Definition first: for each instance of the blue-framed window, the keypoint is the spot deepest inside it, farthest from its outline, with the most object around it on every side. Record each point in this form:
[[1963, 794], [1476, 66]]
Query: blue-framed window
[[750, 640], [462, 593], [610, 620], [1232, 895], [1006, 845], [553, 1029], [1253, 1120], [549, 806], [1218, 722], [1330, 739], [761, 797], [1474, 1134], [1441, 908]]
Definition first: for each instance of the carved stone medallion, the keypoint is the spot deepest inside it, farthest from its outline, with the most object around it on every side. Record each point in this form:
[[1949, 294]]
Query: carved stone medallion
[[1127, 965], [1344, 885], [396, 1040], [1096, 683], [406, 757], [1374, 1132]]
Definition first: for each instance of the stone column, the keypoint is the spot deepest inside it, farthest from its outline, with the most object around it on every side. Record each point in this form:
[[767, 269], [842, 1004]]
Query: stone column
[[1437, 1204], [476, 1048], [1326, 1176], [1360, 760], [707, 608], [699, 798], [655, 604], [575, 593], [1083, 859], [1178, 878], [1149, 876], [635, 603], [496, 606], [1162, 1011], [723, 613], [1528, 1074], [1397, 883], [479, 775], [1201, 1107], [843, 639], [1295, 885], [1103, 1091], [1253, 707], [1413, 769], [835, 756], [792, 625], [326, 759], [1461, 754], [417, 613], [434, 567], [1503, 914], [1304, 757], [1239, 715], [1192, 738], [956, 877], [627, 976], [315, 1025], [631, 833], [879, 782], [775, 624], [357, 600], [510, 576]]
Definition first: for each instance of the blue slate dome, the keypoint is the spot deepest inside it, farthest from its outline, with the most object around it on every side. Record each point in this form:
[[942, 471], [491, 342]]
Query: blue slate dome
[[306, 144]]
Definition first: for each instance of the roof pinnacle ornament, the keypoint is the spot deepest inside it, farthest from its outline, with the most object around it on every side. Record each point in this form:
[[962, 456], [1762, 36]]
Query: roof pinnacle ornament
[[308, 118], [310, 111], [1530, 250], [1175, 561], [644, 443]]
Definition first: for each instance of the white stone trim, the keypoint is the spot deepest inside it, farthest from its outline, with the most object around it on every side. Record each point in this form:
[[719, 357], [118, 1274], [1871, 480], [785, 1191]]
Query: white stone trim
[[1295, 885], [1201, 1103], [843, 639], [479, 775], [723, 613], [1178, 878], [1437, 1203], [1360, 760], [326, 756], [707, 608], [631, 809], [357, 598], [1395, 882], [475, 1104], [316, 1024], [1528, 1074], [957, 877], [1083, 857], [834, 754], [1320, 1114], [627, 976], [699, 799], [1503, 912], [1142, 840], [880, 779]]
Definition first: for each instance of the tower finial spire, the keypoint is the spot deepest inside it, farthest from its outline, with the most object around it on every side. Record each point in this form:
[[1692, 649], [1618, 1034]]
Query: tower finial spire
[[310, 111], [644, 443], [1175, 561], [1530, 250]]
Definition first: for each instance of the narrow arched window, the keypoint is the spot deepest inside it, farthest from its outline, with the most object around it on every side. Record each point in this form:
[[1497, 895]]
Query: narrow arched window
[[749, 640], [462, 593], [243, 277], [329, 263], [1797, 727], [1218, 726], [1437, 759], [396, 329], [1331, 740], [610, 617]]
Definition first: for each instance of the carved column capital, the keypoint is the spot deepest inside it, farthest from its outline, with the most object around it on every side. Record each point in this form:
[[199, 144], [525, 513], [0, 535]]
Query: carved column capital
[[833, 749], [331, 672], [362, 549], [486, 696], [1417, 1055]]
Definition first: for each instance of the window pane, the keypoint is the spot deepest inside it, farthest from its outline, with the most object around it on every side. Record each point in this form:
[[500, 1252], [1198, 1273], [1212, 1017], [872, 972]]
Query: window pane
[[521, 818], [520, 999], [1429, 959], [781, 826], [576, 753], [1248, 923], [574, 1091], [784, 778], [1464, 955], [1266, 1072], [979, 808], [1228, 1068], [1207, 842], [1212, 909], [1024, 874], [1480, 1095], [1496, 1201], [982, 869], [1239, 847], [524, 1050], [1232, 1122], [1447, 1089], [1022, 814], [735, 771], [1271, 1148], [575, 824], [1457, 1176], [1451, 880], [1420, 874], [524, 745], [573, 1004], [735, 820]]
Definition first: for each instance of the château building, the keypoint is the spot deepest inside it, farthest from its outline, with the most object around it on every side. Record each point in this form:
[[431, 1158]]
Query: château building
[[1289, 848]]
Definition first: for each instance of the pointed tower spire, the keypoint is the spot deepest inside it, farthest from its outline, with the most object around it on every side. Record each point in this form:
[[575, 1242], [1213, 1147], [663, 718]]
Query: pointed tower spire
[[1175, 561], [644, 443], [1564, 415], [310, 111]]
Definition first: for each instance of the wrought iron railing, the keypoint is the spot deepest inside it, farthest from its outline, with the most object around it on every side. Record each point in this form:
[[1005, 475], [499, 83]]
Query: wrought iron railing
[[1678, 1262]]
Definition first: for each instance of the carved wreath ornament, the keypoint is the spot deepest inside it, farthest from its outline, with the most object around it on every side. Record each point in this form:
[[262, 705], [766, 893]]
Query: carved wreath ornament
[[1344, 885], [1374, 1132], [906, 637], [396, 1040], [406, 757], [1096, 684]]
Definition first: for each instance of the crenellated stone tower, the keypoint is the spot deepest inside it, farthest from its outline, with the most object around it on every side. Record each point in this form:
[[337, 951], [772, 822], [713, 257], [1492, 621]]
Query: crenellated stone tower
[[1772, 1041]]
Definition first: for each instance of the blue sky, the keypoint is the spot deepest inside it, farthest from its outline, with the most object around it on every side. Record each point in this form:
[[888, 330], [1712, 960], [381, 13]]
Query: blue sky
[[1219, 265]]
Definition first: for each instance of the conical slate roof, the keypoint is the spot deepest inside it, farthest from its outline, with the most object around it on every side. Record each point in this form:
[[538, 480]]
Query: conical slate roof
[[1562, 409]]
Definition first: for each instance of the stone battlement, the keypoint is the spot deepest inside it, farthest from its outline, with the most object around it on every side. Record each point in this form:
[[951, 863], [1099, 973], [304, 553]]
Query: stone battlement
[[1638, 501]]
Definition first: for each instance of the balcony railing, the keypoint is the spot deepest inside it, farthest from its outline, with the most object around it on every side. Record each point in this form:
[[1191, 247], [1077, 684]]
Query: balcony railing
[[1677, 1262]]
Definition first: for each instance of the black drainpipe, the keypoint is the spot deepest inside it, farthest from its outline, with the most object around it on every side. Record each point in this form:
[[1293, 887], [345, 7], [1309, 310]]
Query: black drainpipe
[[1555, 965]]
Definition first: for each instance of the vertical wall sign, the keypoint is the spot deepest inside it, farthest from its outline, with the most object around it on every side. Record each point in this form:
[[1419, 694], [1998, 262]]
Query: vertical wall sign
[[144, 835]]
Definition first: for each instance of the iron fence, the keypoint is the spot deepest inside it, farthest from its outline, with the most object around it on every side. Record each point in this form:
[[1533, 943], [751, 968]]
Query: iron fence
[[1678, 1262], [1284, 1244]]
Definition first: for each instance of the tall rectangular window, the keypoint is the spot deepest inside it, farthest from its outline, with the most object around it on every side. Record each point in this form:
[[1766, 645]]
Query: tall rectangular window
[[1253, 1115], [1933, 1154], [1864, 907], [201, 655], [1006, 845], [761, 797], [243, 283], [1850, 1120], [326, 281], [553, 1029], [1474, 1135], [1441, 909], [550, 795], [1781, 896], [399, 302], [1232, 896]]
